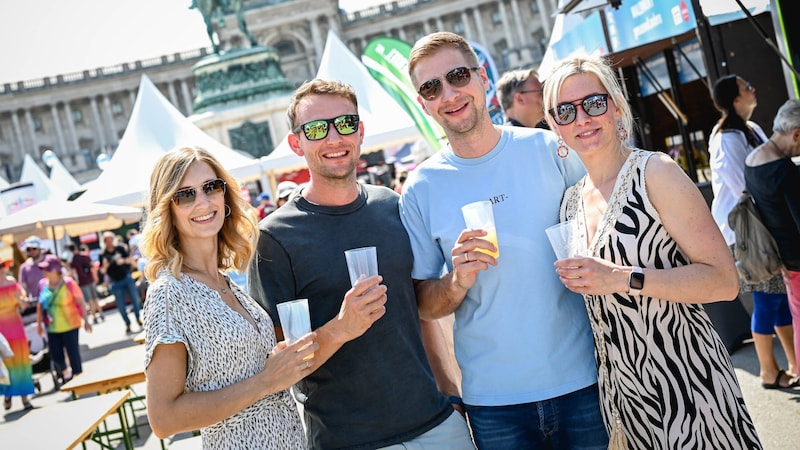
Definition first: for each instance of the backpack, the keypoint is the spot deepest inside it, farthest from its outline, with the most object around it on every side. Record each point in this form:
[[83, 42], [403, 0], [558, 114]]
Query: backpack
[[756, 253]]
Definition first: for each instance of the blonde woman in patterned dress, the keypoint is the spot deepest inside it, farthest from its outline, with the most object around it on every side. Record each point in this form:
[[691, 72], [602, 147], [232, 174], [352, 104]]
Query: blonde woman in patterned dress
[[211, 361], [666, 380]]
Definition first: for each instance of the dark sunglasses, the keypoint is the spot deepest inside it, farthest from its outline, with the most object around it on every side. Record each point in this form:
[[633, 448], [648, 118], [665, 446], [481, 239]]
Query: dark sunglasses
[[748, 86], [458, 77], [594, 105], [187, 196], [315, 130]]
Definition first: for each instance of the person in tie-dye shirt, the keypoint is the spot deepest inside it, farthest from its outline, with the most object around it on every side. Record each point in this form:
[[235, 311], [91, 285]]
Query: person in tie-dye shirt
[[60, 311], [19, 366]]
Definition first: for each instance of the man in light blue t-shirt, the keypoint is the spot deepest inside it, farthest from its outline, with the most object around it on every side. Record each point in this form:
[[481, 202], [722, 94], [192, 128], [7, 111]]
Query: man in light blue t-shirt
[[522, 340]]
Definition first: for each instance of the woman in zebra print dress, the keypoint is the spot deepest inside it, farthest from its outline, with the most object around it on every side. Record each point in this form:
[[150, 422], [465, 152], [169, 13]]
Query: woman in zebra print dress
[[666, 380]]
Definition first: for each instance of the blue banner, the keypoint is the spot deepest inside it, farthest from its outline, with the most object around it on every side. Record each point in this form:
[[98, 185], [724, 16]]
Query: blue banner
[[641, 22]]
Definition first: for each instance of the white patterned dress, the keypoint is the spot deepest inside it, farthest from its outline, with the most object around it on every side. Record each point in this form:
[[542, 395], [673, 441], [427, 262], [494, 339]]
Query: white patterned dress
[[223, 348], [671, 378]]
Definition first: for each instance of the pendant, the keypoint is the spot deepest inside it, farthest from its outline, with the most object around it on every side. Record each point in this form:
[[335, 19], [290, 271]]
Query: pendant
[[224, 291]]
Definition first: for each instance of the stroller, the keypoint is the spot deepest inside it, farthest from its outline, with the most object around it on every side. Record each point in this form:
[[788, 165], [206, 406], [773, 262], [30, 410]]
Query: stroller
[[39, 353]]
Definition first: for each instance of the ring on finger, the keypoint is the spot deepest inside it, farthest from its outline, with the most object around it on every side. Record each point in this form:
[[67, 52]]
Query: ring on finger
[[308, 364], [466, 255]]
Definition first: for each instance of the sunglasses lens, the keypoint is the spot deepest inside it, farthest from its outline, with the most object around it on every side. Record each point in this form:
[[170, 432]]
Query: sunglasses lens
[[214, 187], [430, 89], [596, 105], [564, 114], [184, 197], [315, 130], [458, 77], [346, 124]]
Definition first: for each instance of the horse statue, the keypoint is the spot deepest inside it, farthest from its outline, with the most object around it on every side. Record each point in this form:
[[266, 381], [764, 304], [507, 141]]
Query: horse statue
[[215, 9]]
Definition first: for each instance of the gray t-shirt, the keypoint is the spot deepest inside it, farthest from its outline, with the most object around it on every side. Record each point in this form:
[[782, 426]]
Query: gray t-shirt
[[378, 389]]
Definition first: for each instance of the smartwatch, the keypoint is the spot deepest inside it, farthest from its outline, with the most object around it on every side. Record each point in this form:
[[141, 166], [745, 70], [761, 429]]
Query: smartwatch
[[635, 281]]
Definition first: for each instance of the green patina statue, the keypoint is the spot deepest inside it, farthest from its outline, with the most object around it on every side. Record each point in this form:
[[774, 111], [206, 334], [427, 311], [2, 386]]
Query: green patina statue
[[215, 10]]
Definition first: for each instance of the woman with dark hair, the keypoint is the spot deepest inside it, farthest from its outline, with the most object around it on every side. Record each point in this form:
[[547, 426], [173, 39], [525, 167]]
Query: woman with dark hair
[[732, 139], [774, 181], [211, 358]]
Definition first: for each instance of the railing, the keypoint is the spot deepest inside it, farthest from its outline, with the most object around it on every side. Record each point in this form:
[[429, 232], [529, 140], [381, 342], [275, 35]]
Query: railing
[[93, 74]]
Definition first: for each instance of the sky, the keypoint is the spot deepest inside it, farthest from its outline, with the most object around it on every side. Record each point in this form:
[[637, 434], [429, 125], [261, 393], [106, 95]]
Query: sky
[[51, 37]]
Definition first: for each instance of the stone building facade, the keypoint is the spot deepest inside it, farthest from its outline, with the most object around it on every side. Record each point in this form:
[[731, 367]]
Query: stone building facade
[[81, 115]]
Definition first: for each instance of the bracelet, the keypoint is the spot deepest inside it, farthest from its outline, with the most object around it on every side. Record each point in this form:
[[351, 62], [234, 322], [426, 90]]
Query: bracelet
[[456, 400]]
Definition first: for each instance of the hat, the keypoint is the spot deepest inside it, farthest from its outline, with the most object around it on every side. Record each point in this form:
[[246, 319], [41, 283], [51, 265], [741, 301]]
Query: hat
[[263, 196], [50, 263], [33, 242], [285, 188]]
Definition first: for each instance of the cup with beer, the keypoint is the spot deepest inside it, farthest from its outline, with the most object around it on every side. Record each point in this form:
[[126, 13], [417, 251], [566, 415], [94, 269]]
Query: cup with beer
[[479, 215]]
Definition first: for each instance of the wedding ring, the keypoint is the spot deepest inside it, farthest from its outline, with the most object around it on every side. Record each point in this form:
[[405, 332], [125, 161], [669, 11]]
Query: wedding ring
[[466, 255], [308, 364]]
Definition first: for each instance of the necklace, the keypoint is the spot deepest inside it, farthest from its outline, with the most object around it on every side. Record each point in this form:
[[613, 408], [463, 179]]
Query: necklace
[[223, 290], [777, 149]]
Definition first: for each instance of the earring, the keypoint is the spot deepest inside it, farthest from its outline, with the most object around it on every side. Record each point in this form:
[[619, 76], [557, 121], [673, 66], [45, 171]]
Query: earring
[[227, 210], [622, 133], [562, 150]]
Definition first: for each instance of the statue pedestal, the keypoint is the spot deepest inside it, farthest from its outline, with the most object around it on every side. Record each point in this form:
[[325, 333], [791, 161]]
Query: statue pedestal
[[241, 99]]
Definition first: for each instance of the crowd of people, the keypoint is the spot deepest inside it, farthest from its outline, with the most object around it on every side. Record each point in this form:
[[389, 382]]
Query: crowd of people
[[609, 348]]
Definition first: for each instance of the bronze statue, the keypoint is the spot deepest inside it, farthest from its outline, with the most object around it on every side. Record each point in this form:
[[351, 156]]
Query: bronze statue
[[215, 9]]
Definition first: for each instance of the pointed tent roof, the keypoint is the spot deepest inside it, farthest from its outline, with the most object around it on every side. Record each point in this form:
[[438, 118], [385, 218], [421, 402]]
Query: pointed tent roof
[[62, 179], [385, 122], [44, 188], [156, 127]]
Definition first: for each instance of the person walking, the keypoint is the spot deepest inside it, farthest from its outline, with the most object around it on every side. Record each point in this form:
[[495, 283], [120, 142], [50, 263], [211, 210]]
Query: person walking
[[116, 264], [773, 179], [666, 380], [211, 358], [59, 313], [544, 395], [83, 270], [12, 300], [29, 271], [374, 387]]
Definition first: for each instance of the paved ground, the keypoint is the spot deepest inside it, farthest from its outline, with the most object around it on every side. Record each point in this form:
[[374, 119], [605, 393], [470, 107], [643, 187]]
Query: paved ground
[[776, 413]]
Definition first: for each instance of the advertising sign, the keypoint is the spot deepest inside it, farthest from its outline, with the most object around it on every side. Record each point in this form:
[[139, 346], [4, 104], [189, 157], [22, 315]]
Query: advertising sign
[[641, 22]]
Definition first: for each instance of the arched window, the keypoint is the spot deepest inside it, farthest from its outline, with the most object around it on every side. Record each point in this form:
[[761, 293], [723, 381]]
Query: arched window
[[286, 48]]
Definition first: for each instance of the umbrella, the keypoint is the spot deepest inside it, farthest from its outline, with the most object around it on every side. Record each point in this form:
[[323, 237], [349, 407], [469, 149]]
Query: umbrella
[[62, 216]]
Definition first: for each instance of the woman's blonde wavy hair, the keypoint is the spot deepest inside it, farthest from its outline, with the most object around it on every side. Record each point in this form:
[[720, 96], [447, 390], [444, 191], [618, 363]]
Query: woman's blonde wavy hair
[[160, 241]]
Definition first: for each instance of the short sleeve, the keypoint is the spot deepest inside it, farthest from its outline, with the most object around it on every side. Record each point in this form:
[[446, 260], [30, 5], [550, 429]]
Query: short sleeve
[[161, 323]]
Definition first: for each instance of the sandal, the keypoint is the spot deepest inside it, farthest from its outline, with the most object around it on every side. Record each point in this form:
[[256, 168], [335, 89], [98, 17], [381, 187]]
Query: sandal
[[7, 403], [26, 404], [792, 382]]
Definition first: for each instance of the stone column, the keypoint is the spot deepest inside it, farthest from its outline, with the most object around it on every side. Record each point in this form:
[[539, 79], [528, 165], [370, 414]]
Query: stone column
[[97, 125], [465, 22], [439, 24], [31, 133], [20, 147], [504, 19], [544, 14], [187, 98], [316, 37], [173, 95], [132, 97], [62, 145], [523, 40], [110, 129], [476, 14], [73, 136], [426, 27], [401, 34]]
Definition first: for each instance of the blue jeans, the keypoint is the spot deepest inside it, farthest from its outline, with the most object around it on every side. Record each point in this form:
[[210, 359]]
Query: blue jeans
[[572, 421], [119, 289], [59, 343]]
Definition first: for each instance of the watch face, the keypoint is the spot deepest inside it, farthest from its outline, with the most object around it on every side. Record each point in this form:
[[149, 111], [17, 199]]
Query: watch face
[[637, 281]]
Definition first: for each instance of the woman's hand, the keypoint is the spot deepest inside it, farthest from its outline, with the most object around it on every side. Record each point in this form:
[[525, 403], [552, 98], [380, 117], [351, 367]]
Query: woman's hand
[[290, 362], [592, 276]]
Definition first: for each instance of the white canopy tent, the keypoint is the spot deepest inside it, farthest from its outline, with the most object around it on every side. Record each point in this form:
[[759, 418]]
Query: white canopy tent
[[155, 128], [386, 124], [43, 187]]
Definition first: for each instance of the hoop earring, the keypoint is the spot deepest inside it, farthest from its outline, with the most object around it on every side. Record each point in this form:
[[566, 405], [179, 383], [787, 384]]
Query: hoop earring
[[562, 150], [622, 133], [227, 210]]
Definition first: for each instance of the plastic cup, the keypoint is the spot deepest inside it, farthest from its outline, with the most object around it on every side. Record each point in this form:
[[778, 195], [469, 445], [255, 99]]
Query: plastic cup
[[567, 239], [479, 215], [361, 261], [295, 319]]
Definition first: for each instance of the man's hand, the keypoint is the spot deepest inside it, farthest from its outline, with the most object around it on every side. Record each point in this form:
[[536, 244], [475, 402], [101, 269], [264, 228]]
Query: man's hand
[[364, 304]]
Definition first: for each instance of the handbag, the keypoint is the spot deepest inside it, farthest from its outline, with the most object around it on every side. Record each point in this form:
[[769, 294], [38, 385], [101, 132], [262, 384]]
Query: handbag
[[5, 377], [756, 253], [5, 348]]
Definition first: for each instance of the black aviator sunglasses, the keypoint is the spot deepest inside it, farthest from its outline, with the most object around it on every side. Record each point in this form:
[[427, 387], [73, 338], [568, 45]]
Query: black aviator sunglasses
[[458, 77], [594, 105], [187, 196]]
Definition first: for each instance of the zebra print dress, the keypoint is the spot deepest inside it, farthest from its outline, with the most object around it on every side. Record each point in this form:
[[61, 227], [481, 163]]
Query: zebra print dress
[[670, 376]]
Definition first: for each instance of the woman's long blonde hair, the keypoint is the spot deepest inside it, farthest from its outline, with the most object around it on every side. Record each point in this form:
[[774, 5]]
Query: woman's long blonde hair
[[160, 240]]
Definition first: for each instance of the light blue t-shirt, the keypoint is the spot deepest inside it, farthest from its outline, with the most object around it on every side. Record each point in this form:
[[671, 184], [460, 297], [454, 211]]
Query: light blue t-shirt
[[520, 335]]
